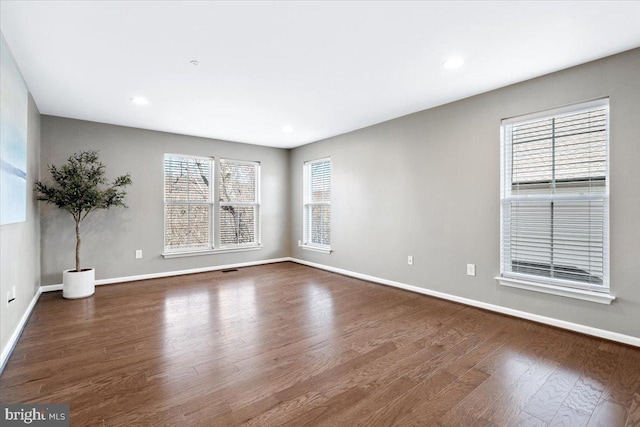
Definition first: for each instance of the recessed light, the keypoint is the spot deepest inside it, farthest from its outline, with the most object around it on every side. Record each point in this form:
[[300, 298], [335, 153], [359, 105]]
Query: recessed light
[[138, 100], [453, 62], [287, 129], [194, 62]]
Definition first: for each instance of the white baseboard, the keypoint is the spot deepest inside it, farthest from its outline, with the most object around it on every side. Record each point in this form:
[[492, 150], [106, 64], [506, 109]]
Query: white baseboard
[[13, 339], [58, 287], [588, 330]]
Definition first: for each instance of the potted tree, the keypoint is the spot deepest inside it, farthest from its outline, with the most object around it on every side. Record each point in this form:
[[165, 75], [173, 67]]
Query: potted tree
[[81, 188]]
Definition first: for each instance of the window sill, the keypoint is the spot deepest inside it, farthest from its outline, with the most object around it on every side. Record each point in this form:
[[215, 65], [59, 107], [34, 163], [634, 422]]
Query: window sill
[[316, 249], [592, 296], [210, 251]]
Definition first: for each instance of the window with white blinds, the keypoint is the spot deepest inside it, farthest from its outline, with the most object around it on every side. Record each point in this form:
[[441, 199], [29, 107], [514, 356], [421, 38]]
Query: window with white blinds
[[317, 203], [239, 208], [188, 203], [196, 198], [555, 197]]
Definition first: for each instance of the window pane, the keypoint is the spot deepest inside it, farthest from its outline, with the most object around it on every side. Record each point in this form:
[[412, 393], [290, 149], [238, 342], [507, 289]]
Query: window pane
[[530, 246], [187, 179], [560, 239], [238, 225], [321, 181], [532, 152], [187, 226], [569, 148], [321, 224], [581, 150], [237, 182]]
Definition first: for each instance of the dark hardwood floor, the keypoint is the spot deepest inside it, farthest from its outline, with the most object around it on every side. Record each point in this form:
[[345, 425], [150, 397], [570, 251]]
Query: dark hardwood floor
[[285, 344]]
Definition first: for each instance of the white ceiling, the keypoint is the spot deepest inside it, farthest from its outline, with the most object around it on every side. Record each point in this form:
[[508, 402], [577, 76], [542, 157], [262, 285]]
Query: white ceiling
[[323, 68]]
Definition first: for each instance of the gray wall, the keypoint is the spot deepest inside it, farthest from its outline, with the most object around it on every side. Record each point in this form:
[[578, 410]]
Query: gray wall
[[20, 242], [428, 185], [111, 237]]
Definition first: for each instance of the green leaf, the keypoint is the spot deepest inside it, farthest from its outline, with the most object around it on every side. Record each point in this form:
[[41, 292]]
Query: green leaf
[[81, 186]]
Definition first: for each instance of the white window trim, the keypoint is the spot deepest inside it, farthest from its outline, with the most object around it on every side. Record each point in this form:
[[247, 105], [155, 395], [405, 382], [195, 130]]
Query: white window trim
[[181, 254], [316, 248], [306, 244], [214, 227], [564, 291], [594, 293]]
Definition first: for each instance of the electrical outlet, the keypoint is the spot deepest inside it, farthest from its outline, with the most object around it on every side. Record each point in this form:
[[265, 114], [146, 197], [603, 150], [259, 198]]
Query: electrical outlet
[[410, 260], [138, 253], [471, 269]]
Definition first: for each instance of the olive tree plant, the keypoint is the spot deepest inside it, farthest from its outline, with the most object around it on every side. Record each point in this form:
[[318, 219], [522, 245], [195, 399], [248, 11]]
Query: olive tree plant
[[81, 187]]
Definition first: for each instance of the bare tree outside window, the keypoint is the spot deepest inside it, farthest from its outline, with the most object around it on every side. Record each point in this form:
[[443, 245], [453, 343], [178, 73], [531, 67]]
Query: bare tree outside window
[[238, 202], [188, 203]]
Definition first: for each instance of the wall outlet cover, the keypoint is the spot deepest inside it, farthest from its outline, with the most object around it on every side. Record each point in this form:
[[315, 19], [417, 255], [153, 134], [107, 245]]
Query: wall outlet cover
[[471, 269]]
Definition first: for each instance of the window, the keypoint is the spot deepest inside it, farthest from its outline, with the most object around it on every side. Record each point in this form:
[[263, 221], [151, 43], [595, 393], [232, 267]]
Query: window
[[555, 198], [239, 207], [196, 198], [188, 203], [317, 205]]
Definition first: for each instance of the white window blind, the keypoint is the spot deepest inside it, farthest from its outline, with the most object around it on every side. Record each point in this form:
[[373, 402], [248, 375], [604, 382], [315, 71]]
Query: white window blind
[[555, 197], [188, 202], [317, 203], [239, 207]]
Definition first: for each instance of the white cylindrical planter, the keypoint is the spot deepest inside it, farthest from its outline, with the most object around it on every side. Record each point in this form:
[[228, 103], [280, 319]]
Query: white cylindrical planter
[[78, 284]]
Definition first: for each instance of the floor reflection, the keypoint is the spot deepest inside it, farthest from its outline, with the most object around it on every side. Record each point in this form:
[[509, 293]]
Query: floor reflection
[[237, 309], [319, 307], [183, 312]]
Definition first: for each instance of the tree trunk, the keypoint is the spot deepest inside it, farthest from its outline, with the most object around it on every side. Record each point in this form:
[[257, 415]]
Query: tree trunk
[[77, 245]]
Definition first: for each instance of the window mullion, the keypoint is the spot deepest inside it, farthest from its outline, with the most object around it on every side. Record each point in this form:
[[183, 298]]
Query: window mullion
[[239, 204], [553, 191], [215, 210]]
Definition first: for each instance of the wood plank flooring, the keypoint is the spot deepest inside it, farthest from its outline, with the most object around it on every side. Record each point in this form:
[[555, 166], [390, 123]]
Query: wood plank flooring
[[285, 344]]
